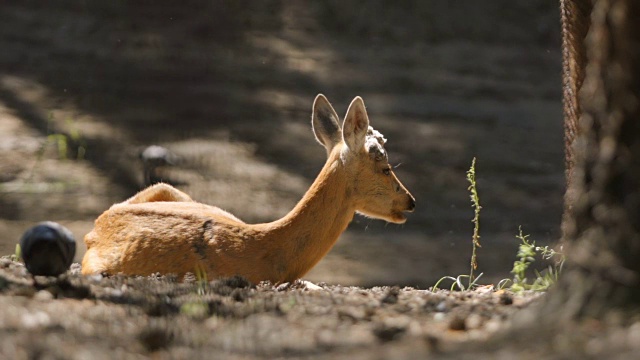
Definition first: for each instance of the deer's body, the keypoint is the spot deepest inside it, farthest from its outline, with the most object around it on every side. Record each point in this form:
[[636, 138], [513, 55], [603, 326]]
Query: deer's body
[[162, 230]]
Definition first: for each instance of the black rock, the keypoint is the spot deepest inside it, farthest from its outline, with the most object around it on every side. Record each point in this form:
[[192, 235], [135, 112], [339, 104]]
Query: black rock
[[48, 249]]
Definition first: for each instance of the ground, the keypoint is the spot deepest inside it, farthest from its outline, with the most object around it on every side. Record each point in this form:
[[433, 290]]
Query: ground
[[77, 317], [228, 88], [234, 319]]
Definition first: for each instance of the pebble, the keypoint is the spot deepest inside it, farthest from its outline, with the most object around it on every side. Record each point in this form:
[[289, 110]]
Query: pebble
[[441, 307], [35, 320], [474, 321], [43, 295]]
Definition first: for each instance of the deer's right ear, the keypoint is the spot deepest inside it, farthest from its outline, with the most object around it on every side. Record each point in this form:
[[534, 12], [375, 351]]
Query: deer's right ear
[[325, 123], [356, 125]]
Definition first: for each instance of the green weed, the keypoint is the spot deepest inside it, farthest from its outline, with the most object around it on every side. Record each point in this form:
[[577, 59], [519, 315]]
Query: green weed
[[66, 143], [475, 203], [17, 256], [472, 280], [201, 279], [527, 254], [457, 282]]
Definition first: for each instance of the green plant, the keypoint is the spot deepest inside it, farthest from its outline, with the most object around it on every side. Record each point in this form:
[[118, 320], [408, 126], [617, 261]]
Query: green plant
[[65, 141], [76, 138], [17, 255], [198, 308], [201, 279], [475, 238], [458, 282], [475, 203], [195, 309], [527, 253]]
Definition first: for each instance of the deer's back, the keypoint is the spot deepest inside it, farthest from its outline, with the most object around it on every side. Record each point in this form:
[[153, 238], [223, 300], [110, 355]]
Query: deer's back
[[174, 237]]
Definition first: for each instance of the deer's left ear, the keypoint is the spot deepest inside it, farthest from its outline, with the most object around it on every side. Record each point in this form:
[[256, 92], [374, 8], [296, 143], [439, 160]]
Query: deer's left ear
[[356, 124], [325, 123]]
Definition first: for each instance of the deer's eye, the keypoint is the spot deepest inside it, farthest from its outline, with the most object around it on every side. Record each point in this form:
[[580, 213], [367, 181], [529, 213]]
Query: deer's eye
[[386, 171]]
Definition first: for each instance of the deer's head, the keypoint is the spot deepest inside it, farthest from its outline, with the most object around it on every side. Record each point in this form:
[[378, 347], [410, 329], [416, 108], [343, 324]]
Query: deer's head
[[373, 186]]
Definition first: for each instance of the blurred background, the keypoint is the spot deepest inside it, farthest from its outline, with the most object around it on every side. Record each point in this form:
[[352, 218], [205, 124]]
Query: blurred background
[[227, 87]]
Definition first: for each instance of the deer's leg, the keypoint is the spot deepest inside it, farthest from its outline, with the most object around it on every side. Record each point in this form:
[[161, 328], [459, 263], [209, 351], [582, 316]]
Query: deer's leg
[[158, 192]]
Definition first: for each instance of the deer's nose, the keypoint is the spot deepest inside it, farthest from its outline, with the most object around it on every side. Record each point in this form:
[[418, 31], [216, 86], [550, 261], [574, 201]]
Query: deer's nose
[[412, 203]]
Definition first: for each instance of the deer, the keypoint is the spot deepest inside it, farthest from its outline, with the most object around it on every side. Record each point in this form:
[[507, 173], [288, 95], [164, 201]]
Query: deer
[[162, 230]]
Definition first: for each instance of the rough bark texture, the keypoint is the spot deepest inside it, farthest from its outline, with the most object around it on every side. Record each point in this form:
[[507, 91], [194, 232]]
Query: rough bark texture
[[575, 16], [603, 229]]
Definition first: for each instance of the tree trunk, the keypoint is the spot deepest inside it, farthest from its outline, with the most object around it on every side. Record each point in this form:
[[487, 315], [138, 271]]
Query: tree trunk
[[576, 19], [602, 231]]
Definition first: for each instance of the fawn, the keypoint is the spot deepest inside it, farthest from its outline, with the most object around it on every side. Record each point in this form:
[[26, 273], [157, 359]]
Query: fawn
[[161, 229]]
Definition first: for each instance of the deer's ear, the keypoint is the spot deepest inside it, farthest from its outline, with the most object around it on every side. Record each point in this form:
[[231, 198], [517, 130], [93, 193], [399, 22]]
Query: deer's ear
[[356, 124], [325, 123]]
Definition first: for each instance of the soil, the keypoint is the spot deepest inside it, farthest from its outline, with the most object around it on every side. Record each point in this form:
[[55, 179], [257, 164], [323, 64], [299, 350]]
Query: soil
[[227, 87], [232, 318]]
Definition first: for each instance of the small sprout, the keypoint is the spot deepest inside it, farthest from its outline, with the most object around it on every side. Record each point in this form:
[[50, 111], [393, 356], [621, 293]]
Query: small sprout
[[201, 278], [457, 282], [17, 256]]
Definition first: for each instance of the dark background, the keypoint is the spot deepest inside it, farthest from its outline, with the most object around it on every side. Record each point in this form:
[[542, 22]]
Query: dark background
[[228, 87]]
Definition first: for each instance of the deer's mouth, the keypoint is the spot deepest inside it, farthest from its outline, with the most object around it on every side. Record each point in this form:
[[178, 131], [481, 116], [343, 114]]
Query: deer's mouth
[[398, 217]]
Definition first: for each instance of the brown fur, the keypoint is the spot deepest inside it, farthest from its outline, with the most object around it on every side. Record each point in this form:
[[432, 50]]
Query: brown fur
[[161, 229]]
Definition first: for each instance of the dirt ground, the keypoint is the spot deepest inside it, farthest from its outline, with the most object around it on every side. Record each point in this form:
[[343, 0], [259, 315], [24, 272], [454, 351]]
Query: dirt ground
[[76, 317], [233, 319], [227, 86]]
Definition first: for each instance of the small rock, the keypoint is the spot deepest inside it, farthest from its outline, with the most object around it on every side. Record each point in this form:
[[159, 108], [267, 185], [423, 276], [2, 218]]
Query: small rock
[[353, 314], [95, 278], [439, 316], [155, 339], [484, 289], [391, 297], [442, 306], [506, 298], [35, 320], [5, 262], [75, 269], [474, 321], [387, 333], [43, 295]]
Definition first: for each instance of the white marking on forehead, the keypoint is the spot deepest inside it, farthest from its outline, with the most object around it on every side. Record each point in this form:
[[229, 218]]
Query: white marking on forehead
[[374, 143]]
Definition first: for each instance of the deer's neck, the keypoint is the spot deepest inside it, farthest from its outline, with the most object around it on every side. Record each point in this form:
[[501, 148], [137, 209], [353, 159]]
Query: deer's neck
[[310, 230]]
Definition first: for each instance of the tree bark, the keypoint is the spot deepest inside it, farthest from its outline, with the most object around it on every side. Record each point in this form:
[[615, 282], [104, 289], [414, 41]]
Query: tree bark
[[576, 19], [602, 231]]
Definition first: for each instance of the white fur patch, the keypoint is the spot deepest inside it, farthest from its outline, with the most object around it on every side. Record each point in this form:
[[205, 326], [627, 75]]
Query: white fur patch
[[374, 143]]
